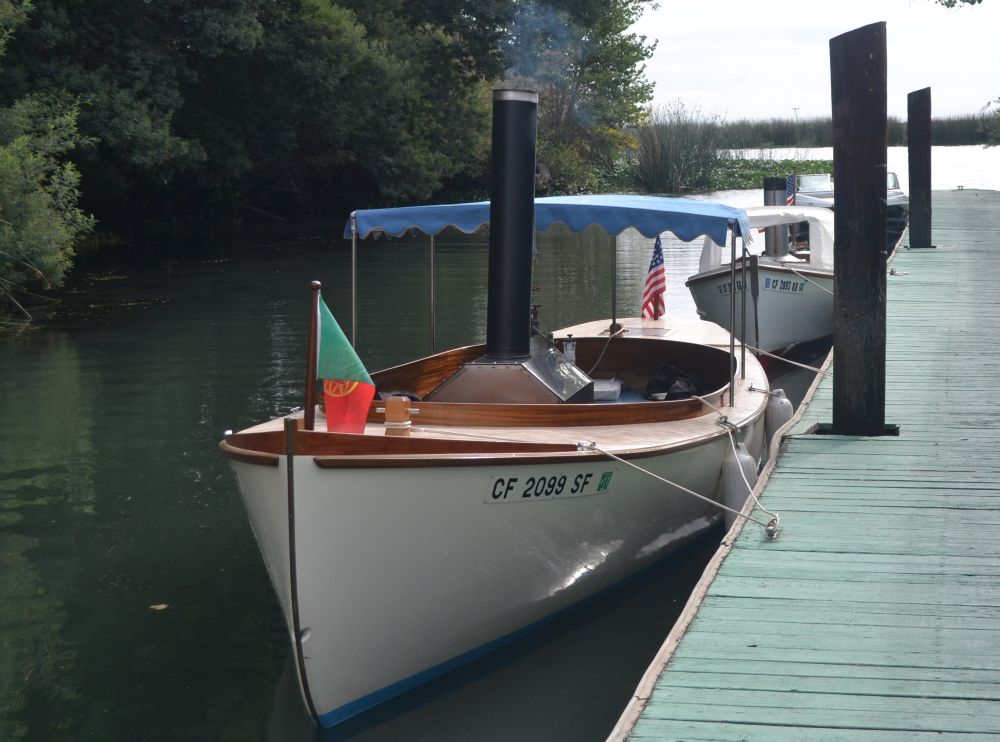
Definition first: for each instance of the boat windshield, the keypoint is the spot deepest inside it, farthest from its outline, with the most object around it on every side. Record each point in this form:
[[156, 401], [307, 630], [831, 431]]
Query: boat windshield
[[891, 181], [809, 183]]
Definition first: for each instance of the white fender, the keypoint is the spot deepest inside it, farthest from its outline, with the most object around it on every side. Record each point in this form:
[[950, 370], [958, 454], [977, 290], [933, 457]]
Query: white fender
[[734, 488], [779, 412]]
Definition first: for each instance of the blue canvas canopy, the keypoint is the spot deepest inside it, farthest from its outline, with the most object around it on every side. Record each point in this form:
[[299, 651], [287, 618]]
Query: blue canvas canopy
[[650, 215]]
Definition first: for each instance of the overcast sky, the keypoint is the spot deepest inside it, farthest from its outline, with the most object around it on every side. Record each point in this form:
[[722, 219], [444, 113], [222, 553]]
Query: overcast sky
[[760, 59]]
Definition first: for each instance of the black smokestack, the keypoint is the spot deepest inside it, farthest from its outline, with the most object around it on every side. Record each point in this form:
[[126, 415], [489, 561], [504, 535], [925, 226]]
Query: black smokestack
[[512, 224]]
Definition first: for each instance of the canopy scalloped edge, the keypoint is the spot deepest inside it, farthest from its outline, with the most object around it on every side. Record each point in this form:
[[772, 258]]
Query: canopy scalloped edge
[[649, 215]]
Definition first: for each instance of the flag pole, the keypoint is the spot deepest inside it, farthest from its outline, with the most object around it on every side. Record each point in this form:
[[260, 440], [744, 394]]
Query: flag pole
[[312, 353]]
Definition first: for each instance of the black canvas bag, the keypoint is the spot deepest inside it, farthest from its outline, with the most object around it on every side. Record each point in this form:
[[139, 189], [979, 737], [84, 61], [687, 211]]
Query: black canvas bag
[[672, 382]]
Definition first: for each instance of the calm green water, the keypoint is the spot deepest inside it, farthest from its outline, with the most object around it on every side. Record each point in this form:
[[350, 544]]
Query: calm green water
[[133, 601]]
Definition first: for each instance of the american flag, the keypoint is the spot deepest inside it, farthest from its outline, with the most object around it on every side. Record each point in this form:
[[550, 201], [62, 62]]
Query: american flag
[[790, 190], [656, 285]]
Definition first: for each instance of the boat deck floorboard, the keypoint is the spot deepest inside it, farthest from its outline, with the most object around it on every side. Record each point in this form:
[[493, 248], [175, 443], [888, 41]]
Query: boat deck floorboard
[[875, 614]]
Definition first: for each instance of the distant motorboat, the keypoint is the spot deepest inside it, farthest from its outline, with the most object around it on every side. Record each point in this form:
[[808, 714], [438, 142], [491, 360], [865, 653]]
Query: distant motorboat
[[817, 190], [789, 297]]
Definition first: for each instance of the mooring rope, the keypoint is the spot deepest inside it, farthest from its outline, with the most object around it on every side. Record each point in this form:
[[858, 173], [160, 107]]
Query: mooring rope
[[814, 369], [770, 527], [772, 524], [800, 275]]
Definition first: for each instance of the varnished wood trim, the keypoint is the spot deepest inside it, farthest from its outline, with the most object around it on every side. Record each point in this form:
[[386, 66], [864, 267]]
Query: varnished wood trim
[[571, 456], [344, 450], [427, 373], [470, 414], [248, 456], [313, 443]]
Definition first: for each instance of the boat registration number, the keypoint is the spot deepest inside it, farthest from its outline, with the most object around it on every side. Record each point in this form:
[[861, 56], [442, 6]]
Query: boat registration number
[[554, 485], [776, 284]]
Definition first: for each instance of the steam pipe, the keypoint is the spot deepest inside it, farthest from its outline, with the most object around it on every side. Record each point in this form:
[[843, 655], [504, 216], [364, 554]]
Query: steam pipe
[[512, 224]]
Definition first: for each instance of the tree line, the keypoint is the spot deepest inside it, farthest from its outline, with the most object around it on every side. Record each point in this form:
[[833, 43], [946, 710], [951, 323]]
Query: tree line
[[680, 150], [979, 128], [117, 112]]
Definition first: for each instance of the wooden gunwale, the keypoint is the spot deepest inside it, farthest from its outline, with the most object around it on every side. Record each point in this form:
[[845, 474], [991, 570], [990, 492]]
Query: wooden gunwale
[[316, 443], [248, 456], [346, 450], [572, 455]]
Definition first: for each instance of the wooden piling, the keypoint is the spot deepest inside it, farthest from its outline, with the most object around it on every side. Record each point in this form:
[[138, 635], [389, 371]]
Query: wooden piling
[[858, 92], [918, 145]]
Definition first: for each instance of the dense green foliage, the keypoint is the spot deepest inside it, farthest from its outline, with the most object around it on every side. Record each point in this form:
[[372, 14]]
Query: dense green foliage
[[39, 219], [279, 106], [289, 108]]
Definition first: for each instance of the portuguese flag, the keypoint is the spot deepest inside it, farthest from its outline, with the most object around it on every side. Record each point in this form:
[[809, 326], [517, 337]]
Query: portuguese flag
[[347, 388]]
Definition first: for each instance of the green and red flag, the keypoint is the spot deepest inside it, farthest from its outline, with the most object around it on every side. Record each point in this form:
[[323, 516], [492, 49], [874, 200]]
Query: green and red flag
[[347, 388]]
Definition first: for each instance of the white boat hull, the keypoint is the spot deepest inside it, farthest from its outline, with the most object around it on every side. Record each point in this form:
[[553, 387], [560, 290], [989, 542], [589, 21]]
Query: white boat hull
[[405, 572], [792, 307]]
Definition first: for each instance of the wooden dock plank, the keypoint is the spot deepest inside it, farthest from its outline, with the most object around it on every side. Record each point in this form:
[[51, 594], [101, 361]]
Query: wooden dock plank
[[875, 615]]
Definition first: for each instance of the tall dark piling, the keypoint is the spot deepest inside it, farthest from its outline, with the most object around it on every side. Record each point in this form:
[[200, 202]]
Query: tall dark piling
[[918, 149], [858, 92]]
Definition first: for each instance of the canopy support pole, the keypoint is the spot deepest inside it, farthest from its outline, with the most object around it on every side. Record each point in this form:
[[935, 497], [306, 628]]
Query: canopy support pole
[[354, 281], [732, 317], [755, 295], [433, 303], [615, 327], [743, 317]]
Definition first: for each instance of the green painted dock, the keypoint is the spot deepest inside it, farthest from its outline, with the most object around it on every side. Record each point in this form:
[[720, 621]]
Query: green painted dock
[[875, 615]]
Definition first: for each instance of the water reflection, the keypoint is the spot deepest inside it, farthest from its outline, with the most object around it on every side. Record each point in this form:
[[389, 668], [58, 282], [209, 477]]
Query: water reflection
[[46, 496]]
